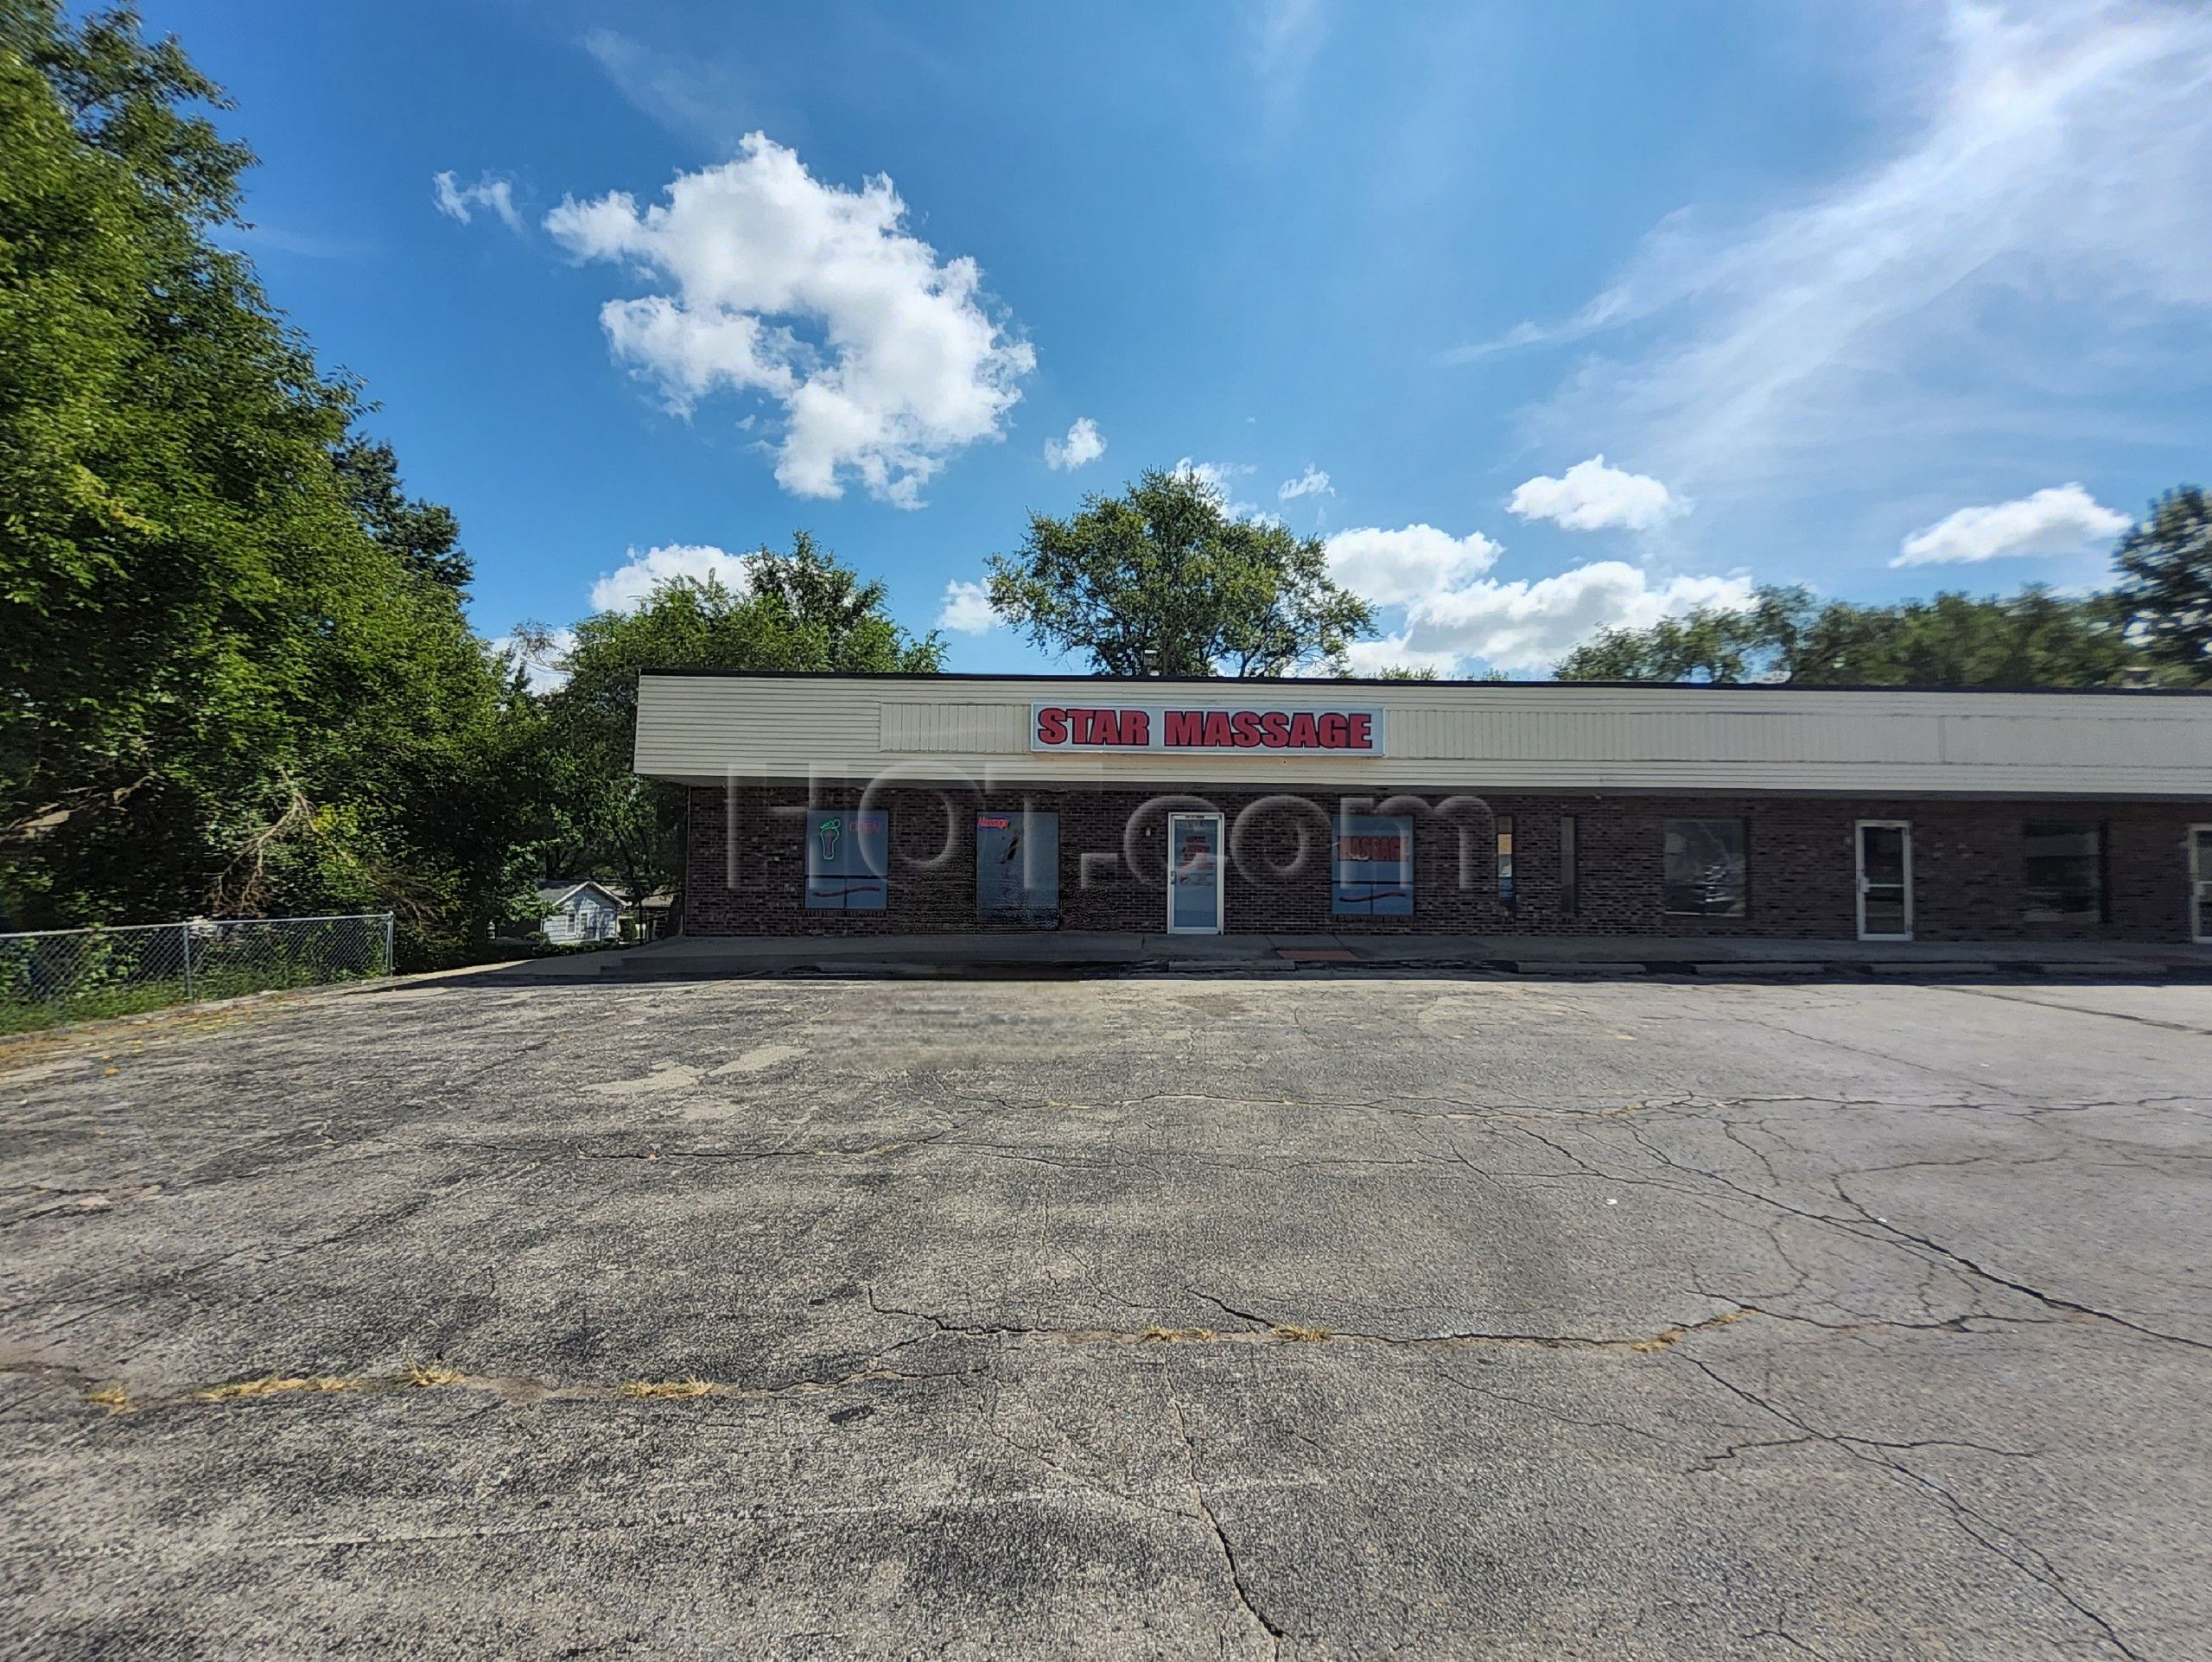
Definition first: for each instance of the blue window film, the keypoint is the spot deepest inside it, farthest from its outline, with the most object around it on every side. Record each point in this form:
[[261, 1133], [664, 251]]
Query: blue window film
[[1018, 867], [848, 860], [1374, 865], [1193, 871]]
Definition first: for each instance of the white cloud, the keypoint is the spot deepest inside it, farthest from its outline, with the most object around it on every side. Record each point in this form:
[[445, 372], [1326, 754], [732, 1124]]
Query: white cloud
[[1393, 567], [1220, 478], [902, 363], [1082, 447], [967, 609], [1391, 652], [2064, 520], [544, 671], [459, 201], [2036, 230], [1529, 624], [1593, 497], [1311, 482], [629, 586]]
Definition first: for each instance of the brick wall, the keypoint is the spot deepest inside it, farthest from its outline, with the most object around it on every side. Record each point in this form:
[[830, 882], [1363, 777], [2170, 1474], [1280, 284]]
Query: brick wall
[[747, 872]]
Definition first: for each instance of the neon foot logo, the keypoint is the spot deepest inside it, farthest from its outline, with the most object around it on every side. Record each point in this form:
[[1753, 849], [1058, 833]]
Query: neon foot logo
[[831, 831]]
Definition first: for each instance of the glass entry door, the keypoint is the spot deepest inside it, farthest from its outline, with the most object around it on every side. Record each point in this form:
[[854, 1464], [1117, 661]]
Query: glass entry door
[[1885, 880], [2200, 884], [1194, 874]]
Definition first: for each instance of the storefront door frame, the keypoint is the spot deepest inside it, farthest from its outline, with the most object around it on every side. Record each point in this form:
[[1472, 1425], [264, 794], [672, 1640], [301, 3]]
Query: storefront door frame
[[1220, 877]]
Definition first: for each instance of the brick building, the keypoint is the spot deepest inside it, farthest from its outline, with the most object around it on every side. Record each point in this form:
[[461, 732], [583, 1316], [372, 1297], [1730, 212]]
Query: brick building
[[914, 804]]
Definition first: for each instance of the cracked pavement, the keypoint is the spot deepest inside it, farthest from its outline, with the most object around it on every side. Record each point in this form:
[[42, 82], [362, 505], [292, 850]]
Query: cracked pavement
[[1318, 1317]]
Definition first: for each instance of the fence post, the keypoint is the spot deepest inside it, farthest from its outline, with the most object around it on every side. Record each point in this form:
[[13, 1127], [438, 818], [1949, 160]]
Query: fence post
[[185, 930], [387, 946]]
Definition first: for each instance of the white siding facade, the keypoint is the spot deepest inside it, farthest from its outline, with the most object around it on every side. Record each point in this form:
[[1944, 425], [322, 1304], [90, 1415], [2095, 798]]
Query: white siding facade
[[706, 729]]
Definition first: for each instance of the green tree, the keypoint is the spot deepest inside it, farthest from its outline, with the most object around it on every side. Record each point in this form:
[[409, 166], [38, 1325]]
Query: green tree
[[425, 535], [804, 610], [1162, 580], [2034, 638], [219, 688], [2165, 582]]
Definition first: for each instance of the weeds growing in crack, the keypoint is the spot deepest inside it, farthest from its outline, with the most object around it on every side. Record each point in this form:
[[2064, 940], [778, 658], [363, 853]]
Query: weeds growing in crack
[[269, 1385], [1159, 1335], [431, 1374], [1297, 1334]]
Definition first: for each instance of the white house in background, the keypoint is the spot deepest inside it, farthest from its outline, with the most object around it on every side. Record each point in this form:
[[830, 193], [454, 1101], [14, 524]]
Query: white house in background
[[579, 912]]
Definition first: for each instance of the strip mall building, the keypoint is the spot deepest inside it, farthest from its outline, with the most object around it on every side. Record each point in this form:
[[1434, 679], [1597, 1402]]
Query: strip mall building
[[833, 805]]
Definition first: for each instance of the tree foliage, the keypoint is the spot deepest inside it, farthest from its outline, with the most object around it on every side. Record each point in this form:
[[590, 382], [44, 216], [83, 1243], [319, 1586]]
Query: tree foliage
[[2031, 639], [804, 610], [2165, 582], [1162, 580], [234, 670]]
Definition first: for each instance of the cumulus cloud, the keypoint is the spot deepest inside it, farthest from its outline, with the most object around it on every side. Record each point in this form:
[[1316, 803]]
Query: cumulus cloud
[[1529, 624], [884, 358], [1591, 496], [967, 609], [2021, 258], [2064, 520], [1311, 482], [490, 192], [629, 585], [1220, 478], [1082, 447], [1393, 567], [545, 670]]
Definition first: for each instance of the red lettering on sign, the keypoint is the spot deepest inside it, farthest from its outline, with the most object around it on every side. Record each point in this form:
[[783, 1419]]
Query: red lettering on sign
[[1275, 729], [1302, 734], [1361, 736], [1185, 727], [1136, 726], [1218, 734], [1247, 725], [1052, 727], [1332, 731]]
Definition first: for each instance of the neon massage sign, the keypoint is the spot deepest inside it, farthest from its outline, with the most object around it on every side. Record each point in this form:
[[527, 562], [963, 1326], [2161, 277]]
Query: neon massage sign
[[1337, 730]]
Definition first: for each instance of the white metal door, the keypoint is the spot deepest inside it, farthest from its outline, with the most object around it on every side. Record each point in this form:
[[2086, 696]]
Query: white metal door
[[1194, 900], [2200, 884], [1885, 869]]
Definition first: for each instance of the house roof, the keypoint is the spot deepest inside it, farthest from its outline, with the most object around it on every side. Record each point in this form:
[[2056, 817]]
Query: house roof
[[557, 892]]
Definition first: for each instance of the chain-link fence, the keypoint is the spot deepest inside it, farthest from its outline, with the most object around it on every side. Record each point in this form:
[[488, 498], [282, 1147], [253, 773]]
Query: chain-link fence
[[67, 975]]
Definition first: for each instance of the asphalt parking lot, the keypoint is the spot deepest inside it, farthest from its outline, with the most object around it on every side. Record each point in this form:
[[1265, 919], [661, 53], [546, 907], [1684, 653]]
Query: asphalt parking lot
[[1300, 1316]]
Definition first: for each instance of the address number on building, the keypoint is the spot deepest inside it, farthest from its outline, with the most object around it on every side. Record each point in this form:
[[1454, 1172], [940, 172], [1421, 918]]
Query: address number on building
[[1341, 730]]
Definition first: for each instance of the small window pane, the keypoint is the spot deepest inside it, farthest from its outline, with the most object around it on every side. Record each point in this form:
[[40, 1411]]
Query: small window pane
[[847, 857], [1570, 898], [1505, 863], [1705, 869], [2064, 864], [1374, 865], [1018, 867]]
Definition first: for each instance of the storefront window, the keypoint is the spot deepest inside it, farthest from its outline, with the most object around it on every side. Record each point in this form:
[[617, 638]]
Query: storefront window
[[1570, 894], [848, 860], [1018, 867], [2065, 871], [1374, 865], [1505, 863], [1706, 868]]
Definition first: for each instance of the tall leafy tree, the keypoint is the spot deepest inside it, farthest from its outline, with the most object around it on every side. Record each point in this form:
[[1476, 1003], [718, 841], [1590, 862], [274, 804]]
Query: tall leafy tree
[[2034, 638], [2165, 582], [1163, 580], [804, 610], [225, 683]]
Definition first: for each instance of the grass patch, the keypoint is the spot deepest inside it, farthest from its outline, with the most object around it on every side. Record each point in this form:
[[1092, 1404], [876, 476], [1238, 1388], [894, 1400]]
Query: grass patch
[[272, 1385], [1297, 1334], [1159, 1336], [114, 1399], [431, 1374], [664, 1389]]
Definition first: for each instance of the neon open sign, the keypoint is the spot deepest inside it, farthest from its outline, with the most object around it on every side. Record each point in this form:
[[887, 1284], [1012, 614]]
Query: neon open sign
[[1341, 730]]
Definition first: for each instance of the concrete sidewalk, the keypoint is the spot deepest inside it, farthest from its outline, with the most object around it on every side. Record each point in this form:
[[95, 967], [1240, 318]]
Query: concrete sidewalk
[[1054, 953]]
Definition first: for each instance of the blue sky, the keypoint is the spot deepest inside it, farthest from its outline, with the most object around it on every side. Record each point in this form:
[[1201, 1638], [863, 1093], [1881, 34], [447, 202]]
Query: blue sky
[[1879, 298]]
